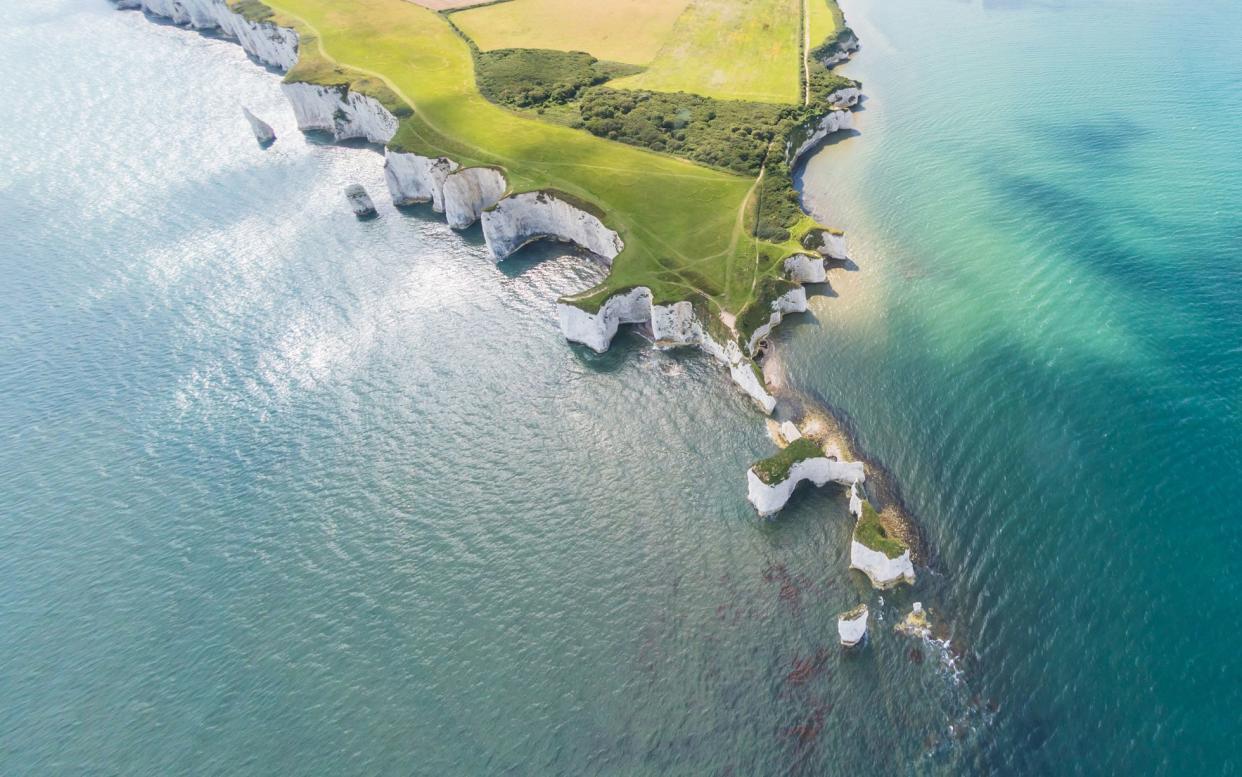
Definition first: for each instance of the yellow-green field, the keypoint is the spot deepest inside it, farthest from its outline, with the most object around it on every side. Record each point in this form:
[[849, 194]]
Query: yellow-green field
[[685, 227], [630, 31], [730, 49]]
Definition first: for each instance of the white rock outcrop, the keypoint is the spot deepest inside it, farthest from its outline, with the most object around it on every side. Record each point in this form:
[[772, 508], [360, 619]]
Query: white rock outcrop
[[833, 246], [852, 625], [596, 330], [412, 178], [769, 499], [792, 301], [830, 122], [359, 201], [469, 192], [805, 268], [523, 218], [340, 111], [272, 45], [845, 98], [845, 48], [672, 325], [263, 131], [916, 624], [884, 572], [789, 432]]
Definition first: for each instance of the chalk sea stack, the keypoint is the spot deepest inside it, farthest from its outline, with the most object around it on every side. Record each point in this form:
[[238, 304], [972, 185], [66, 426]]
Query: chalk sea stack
[[263, 131], [360, 201], [852, 625]]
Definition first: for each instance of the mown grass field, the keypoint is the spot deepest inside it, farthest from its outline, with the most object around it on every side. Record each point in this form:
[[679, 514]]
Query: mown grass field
[[685, 227], [730, 49], [630, 31]]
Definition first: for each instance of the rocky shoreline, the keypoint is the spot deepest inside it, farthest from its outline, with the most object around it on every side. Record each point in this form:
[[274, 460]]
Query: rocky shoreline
[[510, 220]]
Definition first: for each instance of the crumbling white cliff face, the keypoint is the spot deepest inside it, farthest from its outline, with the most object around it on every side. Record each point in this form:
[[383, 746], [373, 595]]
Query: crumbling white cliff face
[[672, 325], [792, 301], [830, 122], [769, 499], [340, 111], [471, 191], [523, 218], [845, 98], [412, 178], [266, 42], [596, 330], [833, 246], [844, 49], [804, 268], [884, 572]]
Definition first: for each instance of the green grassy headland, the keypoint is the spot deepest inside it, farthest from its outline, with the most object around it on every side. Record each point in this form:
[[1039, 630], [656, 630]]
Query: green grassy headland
[[689, 228]]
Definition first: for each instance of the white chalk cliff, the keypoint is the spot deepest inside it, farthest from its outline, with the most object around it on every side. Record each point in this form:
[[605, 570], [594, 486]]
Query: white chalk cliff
[[466, 195], [830, 122], [792, 301], [769, 499], [469, 192], [266, 42], [844, 98], [412, 178], [523, 218], [804, 268], [845, 48], [833, 246], [340, 111], [672, 325], [884, 572]]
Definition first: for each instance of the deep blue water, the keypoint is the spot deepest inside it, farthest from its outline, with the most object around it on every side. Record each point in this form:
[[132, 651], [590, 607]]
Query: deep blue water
[[285, 493]]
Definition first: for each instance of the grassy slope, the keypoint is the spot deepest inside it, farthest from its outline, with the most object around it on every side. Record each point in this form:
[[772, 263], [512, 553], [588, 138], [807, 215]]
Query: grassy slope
[[684, 226], [621, 30], [826, 20], [731, 49]]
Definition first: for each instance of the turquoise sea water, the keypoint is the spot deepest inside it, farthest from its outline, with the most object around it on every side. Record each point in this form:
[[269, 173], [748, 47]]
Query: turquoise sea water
[[286, 493]]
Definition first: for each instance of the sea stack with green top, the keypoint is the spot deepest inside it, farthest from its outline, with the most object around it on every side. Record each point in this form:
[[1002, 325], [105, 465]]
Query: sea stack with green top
[[771, 481], [878, 553]]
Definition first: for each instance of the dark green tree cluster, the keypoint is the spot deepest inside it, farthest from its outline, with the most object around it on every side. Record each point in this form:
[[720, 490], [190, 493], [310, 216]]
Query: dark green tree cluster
[[729, 134], [531, 78], [779, 209]]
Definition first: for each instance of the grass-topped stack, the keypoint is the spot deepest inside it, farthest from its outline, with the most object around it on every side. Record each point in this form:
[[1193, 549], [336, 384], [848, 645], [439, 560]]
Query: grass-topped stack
[[771, 481], [878, 553]]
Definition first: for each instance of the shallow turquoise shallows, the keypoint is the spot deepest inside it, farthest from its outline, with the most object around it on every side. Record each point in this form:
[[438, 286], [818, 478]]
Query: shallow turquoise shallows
[[282, 492]]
